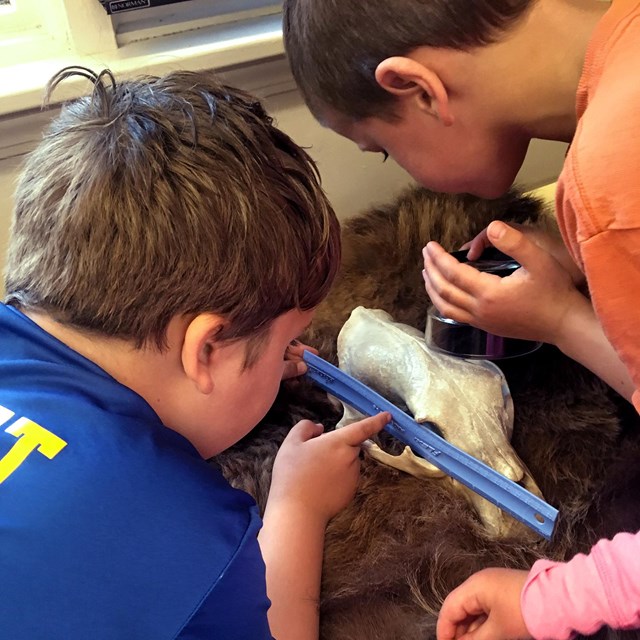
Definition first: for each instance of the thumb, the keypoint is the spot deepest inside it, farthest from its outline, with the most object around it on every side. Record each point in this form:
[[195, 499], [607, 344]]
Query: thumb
[[293, 368], [514, 243], [305, 430], [486, 630]]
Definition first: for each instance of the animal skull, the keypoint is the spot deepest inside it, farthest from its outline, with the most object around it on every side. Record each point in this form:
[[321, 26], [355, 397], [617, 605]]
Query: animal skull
[[468, 400]]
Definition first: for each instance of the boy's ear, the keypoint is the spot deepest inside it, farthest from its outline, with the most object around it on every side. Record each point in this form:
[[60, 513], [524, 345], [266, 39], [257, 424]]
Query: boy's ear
[[408, 78], [199, 349]]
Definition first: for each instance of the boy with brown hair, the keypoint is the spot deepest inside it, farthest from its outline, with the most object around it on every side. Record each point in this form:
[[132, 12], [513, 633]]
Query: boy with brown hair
[[454, 91], [168, 245]]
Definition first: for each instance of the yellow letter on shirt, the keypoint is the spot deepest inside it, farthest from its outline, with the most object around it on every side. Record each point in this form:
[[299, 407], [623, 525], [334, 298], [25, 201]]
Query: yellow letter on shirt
[[30, 436]]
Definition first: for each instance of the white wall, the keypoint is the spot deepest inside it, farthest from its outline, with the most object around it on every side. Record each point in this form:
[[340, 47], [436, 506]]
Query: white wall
[[8, 171], [353, 180]]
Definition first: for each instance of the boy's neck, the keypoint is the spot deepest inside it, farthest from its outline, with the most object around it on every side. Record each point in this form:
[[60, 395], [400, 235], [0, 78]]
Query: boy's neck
[[528, 80], [556, 47], [145, 370]]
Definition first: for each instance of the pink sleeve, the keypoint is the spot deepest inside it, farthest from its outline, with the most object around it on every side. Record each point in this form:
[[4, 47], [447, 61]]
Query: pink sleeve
[[562, 599]]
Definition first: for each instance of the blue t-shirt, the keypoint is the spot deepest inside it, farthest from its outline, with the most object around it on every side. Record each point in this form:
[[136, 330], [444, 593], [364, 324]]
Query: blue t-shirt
[[111, 525]]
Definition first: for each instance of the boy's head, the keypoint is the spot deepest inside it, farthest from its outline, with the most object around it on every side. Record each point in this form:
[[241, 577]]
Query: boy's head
[[173, 197], [157, 197], [405, 77]]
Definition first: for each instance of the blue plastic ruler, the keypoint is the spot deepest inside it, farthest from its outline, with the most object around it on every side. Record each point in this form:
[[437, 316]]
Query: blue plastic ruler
[[479, 477]]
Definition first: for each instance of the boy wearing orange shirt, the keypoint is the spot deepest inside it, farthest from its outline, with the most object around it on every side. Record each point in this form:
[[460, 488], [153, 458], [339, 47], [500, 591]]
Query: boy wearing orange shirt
[[454, 92]]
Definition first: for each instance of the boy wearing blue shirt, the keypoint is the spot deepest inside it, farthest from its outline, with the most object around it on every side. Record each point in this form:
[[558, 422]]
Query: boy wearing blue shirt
[[168, 245]]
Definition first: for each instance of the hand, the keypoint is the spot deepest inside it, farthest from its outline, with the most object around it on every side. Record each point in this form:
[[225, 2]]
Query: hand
[[485, 607], [315, 475], [536, 302], [294, 365], [319, 472], [546, 238]]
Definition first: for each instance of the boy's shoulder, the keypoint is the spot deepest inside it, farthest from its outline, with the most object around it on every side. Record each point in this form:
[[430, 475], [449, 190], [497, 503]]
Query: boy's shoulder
[[77, 422], [101, 497]]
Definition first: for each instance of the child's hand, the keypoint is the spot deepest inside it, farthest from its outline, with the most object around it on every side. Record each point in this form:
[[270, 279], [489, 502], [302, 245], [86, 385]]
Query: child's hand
[[315, 475], [294, 365], [551, 242], [536, 302], [485, 607], [318, 472]]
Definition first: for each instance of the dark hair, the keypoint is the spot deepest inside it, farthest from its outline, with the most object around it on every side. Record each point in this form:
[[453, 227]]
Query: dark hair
[[163, 196], [335, 46]]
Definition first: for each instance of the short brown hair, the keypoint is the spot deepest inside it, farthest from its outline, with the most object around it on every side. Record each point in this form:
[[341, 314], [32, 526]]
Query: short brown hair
[[335, 46], [156, 197]]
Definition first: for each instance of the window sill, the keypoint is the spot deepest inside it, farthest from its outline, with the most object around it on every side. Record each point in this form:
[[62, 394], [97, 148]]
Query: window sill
[[221, 47]]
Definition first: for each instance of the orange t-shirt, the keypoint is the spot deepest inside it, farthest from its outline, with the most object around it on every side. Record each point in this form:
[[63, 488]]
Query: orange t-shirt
[[598, 197]]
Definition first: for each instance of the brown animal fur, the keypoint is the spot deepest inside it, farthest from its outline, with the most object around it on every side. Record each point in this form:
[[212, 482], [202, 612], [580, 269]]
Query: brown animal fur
[[393, 555]]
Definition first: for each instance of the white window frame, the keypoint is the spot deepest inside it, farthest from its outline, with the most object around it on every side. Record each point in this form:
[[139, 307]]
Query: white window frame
[[145, 24], [89, 29], [19, 16], [80, 32]]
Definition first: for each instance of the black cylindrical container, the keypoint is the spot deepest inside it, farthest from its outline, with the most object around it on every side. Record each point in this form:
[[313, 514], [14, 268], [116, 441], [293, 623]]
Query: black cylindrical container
[[458, 339]]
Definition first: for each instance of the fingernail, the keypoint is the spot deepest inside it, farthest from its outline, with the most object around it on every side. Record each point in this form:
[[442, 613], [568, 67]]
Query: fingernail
[[424, 252], [496, 231], [424, 274]]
